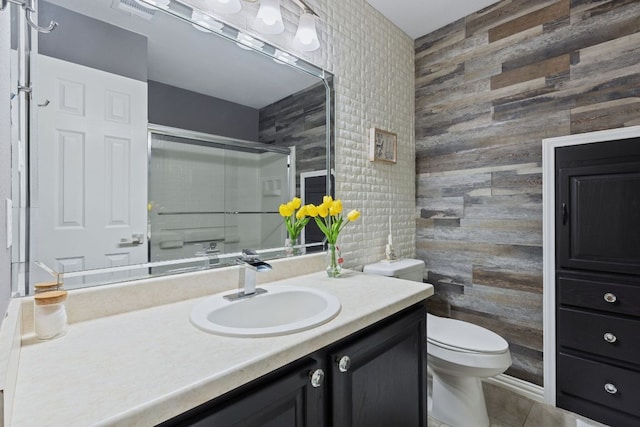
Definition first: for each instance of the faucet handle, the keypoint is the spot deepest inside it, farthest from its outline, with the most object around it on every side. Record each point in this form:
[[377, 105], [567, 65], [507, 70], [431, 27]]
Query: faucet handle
[[249, 254]]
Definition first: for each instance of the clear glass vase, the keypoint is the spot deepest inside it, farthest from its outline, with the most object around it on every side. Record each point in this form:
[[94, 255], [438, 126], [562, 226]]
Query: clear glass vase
[[334, 260], [293, 247]]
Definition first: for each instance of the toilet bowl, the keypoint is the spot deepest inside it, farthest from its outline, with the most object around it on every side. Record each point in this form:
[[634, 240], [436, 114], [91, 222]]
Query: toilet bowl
[[459, 355]]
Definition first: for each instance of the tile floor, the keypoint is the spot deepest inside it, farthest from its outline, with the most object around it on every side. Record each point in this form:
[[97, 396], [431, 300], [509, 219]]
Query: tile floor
[[507, 409]]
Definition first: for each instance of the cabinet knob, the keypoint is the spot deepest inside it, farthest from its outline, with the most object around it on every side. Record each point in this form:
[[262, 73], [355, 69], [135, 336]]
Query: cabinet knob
[[317, 377], [610, 388], [609, 337], [344, 363], [609, 297]]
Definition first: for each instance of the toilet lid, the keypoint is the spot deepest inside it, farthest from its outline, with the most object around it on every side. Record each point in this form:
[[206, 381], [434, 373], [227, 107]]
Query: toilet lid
[[455, 334]]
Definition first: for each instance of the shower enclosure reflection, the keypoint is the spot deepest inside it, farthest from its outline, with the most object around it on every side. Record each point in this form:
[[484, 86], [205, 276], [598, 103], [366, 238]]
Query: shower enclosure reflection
[[210, 195]]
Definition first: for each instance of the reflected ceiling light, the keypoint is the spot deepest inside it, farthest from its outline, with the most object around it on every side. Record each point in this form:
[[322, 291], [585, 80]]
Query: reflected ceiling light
[[306, 38], [269, 18], [284, 58], [162, 4], [225, 6], [206, 21], [247, 42]]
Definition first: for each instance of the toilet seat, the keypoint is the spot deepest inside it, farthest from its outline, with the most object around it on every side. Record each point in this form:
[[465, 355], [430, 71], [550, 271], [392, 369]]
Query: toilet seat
[[456, 335]]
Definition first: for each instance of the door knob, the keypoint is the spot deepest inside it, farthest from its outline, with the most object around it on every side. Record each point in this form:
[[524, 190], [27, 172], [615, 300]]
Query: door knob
[[610, 298], [344, 363], [610, 388], [316, 377], [609, 337], [136, 239]]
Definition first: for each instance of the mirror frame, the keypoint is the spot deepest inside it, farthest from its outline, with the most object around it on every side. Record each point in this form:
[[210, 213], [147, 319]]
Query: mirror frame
[[21, 262]]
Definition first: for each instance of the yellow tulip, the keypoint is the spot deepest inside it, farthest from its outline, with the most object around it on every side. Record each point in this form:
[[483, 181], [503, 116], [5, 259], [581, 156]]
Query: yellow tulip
[[323, 210], [327, 199], [296, 202], [290, 206], [353, 215], [312, 210], [302, 212], [335, 208], [285, 210]]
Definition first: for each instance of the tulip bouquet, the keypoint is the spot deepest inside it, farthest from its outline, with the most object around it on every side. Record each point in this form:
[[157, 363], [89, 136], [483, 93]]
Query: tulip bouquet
[[295, 219], [329, 218]]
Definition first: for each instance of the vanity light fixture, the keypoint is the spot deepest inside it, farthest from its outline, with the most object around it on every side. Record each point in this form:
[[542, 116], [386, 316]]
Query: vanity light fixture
[[269, 19], [206, 21], [306, 38]]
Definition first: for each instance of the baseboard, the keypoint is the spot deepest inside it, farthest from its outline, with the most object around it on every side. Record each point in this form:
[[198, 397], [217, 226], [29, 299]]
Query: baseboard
[[521, 387]]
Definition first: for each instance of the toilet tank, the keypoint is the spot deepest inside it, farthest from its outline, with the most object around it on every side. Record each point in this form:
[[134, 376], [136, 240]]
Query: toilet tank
[[407, 269]]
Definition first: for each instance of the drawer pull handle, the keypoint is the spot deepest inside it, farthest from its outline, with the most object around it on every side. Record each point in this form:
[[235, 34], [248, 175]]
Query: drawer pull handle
[[316, 377], [344, 363], [609, 337], [610, 388], [609, 297]]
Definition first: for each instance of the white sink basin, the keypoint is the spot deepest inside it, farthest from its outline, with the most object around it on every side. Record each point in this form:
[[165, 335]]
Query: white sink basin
[[282, 310]]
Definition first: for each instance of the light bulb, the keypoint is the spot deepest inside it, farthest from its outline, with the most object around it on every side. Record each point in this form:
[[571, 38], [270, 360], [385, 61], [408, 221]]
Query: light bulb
[[225, 6], [269, 19], [306, 38]]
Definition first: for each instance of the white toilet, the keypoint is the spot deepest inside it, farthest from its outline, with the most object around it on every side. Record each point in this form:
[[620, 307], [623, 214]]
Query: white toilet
[[459, 355]]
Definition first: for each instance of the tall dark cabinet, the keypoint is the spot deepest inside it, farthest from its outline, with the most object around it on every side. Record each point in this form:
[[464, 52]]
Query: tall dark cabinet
[[597, 226]]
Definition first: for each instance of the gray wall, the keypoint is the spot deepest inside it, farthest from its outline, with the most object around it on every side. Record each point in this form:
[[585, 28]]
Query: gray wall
[[172, 106], [5, 161], [489, 88], [96, 44]]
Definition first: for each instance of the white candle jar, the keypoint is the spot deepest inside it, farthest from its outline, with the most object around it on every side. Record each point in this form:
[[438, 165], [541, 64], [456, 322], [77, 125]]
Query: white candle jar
[[50, 315]]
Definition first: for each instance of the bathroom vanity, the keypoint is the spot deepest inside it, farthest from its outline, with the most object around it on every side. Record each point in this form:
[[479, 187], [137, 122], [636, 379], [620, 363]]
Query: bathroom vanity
[[375, 377], [149, 365]]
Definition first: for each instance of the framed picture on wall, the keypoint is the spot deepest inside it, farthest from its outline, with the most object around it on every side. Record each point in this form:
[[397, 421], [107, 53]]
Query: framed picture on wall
[[383, 146]]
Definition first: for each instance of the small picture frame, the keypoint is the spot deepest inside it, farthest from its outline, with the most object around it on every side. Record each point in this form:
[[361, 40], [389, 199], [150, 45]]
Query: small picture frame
[[383, 146]]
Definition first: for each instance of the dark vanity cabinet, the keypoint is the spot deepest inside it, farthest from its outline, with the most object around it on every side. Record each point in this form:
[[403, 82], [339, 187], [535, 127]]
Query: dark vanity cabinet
[[598, 280], [375, 377]]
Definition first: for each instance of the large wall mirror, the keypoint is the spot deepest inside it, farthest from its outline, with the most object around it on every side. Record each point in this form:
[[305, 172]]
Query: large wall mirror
[[164, 141]]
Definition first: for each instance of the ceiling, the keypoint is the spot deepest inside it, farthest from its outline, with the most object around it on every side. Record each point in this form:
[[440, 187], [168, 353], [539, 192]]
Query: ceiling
[[420, 17]]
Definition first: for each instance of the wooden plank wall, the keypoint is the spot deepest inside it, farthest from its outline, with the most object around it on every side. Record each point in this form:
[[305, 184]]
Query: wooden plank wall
[[489, 88], [299, 120]]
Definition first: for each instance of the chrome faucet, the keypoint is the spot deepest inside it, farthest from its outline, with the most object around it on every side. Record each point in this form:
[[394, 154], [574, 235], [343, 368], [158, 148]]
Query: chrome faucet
[[252, 265]]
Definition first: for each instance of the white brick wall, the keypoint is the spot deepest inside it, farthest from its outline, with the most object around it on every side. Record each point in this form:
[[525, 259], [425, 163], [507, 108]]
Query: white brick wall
[[373, 64]]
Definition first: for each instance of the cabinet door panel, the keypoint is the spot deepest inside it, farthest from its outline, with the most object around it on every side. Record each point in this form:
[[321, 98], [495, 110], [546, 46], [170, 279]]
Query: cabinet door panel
[[608, 336], [287, 401], [605, 294], [385, 384], [587, 380], [597, 203]]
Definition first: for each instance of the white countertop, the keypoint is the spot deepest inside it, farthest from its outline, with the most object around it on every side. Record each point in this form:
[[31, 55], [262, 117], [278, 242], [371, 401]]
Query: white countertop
[[146, 366]]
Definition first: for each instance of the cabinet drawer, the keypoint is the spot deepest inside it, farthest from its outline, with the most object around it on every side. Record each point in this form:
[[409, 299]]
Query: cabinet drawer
[[625, 298], [587, 380], [600, 334]]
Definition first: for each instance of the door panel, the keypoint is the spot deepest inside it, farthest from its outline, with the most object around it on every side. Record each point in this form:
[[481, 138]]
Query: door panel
[[598, 205], [89, 168]]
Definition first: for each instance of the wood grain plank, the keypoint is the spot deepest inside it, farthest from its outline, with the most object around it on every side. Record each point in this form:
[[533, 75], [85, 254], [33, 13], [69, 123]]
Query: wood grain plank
[[545, 15], [547, 67]]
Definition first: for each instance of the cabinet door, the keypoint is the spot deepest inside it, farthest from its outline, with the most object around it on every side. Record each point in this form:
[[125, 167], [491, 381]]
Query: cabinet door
[[281, 400], [379, 379], [598, 200]]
